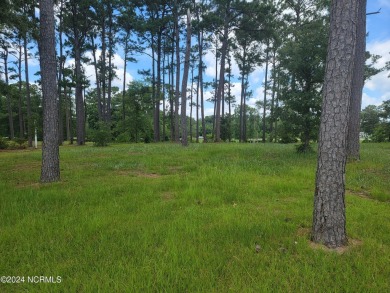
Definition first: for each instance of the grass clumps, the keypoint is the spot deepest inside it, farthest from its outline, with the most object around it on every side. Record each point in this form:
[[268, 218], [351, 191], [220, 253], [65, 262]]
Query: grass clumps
[[159, 217]]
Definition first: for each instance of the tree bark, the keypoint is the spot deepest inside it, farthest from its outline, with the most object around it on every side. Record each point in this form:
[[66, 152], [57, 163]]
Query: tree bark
[[20, 103], [28, 95], [50, 171], [177, 86], [353, 144], [184, 139], [8, 97], [265, 92], [221, 83], [97, 77], [329, 199]]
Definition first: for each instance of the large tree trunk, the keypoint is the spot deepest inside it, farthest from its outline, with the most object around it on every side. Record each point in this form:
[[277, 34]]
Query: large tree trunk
[[50, 150], [329, 202], [184, 139], [353, 144]]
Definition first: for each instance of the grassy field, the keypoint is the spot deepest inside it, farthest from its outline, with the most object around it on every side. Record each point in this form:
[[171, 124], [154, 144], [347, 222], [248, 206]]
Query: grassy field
[[162, 218]]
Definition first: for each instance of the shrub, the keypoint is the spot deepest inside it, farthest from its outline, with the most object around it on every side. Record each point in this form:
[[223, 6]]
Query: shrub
[[3, 143], [303, 149], [102, 135]]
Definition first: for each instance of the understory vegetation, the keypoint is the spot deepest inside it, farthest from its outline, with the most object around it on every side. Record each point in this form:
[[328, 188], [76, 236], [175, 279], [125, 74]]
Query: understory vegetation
[[207, 218]]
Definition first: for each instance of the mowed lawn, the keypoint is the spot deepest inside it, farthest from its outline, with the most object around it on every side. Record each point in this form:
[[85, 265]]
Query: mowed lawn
[[163, 218]]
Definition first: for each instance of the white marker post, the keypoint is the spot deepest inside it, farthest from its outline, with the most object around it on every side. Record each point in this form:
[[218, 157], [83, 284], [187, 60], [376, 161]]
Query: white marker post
[[36, 139]]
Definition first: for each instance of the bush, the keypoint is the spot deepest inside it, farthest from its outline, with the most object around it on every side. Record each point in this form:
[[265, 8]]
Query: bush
[[16, 144], [102, 135], [123, 137], [3, 143], [381, 133], [304, 149]]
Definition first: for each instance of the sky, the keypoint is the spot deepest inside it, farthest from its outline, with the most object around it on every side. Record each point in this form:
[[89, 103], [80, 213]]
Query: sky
[[376, 90]]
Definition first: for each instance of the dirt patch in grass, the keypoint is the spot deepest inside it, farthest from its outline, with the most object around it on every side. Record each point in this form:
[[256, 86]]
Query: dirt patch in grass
[[167, 196], [135, 153], [352, 243], [135, 173], [362, 193], [26, 166], [303, 231]]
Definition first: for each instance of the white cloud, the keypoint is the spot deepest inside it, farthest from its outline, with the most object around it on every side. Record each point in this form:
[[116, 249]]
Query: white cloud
[[90, 70], [377, 89]]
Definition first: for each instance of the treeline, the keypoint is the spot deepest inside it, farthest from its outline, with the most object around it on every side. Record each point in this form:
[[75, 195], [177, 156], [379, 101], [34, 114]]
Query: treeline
[[287, 38]]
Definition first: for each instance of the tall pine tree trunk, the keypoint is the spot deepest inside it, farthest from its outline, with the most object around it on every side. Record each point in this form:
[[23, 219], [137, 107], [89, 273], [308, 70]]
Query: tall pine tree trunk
[[265, 92], [329, 200], [20, 103], [98, 83], [353, 144], [177, 86], [8, 97], [30, 122], [184, 139], [50, 171], [80, 111]]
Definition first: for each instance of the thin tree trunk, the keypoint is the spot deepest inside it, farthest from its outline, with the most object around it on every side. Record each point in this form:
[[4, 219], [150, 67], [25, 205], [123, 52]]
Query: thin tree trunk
[[126, 49], [28, 95], [8, 97], [110, 69], [20, 103], [353, 143], [329, 200], [80, 111], [60, 73], [158, 93], [50, 171], [221, 83], [103, 68], [184, 139], [200, 37], [98, 82], [177, 87], [191, 101], [265, 92], [163, 99], [171, 94]]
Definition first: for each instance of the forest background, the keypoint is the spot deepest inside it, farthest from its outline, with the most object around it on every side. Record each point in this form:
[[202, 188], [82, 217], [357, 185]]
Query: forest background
[[280, 45]]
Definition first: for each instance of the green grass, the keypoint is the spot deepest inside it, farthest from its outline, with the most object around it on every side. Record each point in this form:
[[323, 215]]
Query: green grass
[[162, 218]]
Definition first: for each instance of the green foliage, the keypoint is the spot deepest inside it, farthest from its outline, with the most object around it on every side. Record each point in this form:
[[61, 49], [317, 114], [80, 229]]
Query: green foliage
[[369, 119], [381, 133], [15, 144], [101, 136], [3, 143], [304, 148]]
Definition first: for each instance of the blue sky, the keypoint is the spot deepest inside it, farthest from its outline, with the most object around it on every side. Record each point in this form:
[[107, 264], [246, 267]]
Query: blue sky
[[376, 90]]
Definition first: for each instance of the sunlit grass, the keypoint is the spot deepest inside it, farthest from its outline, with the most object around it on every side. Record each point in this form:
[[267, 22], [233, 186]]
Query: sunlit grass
[[162, 218]]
